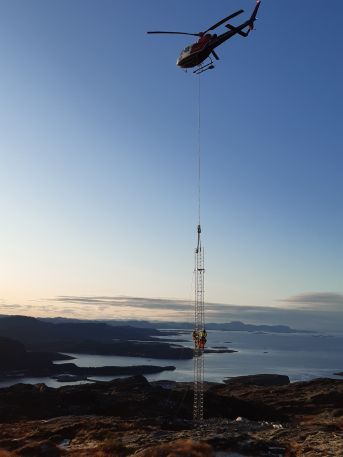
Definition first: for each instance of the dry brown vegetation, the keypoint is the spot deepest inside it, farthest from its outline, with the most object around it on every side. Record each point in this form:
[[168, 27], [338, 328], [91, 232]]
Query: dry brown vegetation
[[111, 448], [180, 448], [4, 453]]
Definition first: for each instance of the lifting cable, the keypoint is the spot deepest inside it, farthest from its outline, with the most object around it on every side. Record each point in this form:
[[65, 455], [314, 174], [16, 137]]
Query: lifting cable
[[199, 160], [199, 148]]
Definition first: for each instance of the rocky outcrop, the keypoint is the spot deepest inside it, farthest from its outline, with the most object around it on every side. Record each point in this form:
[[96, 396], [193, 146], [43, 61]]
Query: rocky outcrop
[[127, 398], [132, 417], [259, 380], [298, 399]]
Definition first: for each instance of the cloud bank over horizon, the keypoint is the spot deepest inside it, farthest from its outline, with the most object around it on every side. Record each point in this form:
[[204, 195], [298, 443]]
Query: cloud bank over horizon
[[316, 300], [317, 311]]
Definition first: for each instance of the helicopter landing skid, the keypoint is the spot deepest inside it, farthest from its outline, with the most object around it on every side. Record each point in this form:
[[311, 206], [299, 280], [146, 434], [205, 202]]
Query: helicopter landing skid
[[202, 68]]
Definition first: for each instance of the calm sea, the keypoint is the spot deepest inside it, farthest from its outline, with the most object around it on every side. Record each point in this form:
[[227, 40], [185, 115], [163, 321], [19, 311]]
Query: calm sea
[[300, 356]]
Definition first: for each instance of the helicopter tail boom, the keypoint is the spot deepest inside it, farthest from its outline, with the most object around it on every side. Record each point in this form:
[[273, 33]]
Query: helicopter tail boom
[[234, 29]]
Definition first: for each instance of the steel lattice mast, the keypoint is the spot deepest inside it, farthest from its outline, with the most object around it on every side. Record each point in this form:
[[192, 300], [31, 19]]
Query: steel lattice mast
[[199, 333], [199, 326]]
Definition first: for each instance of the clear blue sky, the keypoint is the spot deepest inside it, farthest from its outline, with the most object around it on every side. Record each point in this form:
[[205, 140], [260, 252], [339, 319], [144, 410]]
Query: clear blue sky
[[98, 152]]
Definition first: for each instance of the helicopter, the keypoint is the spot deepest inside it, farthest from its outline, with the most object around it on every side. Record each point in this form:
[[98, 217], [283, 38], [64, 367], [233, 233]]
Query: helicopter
[[195, 54]]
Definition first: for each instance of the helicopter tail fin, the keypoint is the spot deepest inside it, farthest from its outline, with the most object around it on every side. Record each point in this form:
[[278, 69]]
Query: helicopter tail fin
[[254, 14]]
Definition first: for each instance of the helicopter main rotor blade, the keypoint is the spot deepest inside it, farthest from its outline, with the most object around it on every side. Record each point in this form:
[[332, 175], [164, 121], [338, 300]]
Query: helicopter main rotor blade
[[224, 20], [175, 33]]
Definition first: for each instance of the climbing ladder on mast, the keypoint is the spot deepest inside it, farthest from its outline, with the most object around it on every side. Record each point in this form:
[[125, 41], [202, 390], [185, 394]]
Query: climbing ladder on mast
[[198, 333]]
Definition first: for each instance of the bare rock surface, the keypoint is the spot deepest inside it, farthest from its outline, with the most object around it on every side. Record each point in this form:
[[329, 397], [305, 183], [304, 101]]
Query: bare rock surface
[[259, 380], [134, 418]]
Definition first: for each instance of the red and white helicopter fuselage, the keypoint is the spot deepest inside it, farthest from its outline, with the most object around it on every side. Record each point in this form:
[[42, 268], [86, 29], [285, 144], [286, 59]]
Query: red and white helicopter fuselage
[[195, 54]]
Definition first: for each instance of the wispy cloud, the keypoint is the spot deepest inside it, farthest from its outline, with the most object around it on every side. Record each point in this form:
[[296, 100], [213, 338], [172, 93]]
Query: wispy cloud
[[125, 301], [148, 303], [317, 300]]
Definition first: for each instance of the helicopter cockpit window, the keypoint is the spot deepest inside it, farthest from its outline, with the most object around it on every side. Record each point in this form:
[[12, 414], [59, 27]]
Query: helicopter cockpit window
[[186, 50]]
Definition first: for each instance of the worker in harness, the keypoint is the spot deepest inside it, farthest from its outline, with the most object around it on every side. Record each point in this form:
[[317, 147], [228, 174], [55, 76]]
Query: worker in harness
[[202, 339]]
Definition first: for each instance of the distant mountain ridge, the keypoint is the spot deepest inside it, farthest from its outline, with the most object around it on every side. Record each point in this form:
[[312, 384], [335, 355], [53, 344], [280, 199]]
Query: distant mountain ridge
[[234, 326], [30, 330]]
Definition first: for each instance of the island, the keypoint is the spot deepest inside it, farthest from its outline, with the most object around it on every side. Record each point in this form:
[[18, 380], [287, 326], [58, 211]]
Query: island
[[16, 361]]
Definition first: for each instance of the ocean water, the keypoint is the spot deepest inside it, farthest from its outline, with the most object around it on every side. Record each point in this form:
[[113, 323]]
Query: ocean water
[[301, 356]]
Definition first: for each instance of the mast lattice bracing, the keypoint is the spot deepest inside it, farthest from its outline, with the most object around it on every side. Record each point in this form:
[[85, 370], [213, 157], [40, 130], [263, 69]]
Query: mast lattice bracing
[[199, 334]]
